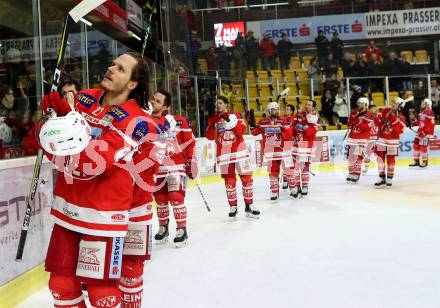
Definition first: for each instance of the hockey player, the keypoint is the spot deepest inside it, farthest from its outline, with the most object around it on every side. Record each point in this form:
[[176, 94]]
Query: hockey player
[[177, 163], [306, 127], [277, 136], [359, 123], [227, 129], [290, 117], [92, 194], [369, 149], [425, 132], [391, 123]]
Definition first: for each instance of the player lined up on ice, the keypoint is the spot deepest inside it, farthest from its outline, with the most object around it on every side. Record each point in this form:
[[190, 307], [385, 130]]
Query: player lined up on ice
[[96, 202], [178, 161], [227, 129]]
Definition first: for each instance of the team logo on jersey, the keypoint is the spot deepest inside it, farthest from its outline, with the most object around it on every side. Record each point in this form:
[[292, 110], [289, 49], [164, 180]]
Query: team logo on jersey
[[227, 137], [141, 130], [86, 100], [88, 256], [179, 123], [272, 130], [117, 113], [109, 301], [116, 257]]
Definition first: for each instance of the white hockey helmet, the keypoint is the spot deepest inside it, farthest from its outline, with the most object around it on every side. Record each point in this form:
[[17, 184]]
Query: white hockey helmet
[[5, 133], [63, 136], [364, 101], [428, 103], [271, 106]]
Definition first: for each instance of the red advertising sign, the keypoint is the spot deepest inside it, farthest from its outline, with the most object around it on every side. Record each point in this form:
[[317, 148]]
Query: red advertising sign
[[226, 33]]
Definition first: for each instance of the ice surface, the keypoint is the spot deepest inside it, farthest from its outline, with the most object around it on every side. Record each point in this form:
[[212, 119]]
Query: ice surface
[[342, 246]]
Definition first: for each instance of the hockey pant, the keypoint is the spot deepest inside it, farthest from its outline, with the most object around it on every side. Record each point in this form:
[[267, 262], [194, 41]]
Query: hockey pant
[[244, 169], [73, 258], [171, 189], [386, 155], [273, 167], [421, 149], [355, 158]]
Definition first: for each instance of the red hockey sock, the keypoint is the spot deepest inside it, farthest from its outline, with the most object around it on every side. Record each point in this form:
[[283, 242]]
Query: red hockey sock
[[66, 291], [274, 186], [131, 283], [163, 213], [248, 189], [179, 210], [231, 191], [104, 294]]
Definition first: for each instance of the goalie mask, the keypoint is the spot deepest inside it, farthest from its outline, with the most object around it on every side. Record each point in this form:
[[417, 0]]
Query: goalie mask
[[63, 136]]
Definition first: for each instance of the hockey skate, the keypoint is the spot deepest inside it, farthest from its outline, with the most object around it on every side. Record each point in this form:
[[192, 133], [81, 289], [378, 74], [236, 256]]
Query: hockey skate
[[233, 211], [294, 192], [285, 184], [389, 181], [423, 165], [274, 196], [251, 212], [304, 191], [355, 178], [181, 238], [161, 236], [416, 163], [381, 182], [349, 178]]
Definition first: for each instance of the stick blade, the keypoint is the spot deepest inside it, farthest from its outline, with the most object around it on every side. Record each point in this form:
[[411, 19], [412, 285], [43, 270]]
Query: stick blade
[[83, 8]]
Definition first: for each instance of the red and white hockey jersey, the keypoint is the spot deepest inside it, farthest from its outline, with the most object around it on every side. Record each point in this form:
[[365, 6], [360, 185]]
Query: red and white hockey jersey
[[360, 124], [391, 125], [374, 129], [277, 136], [305, 135], [426, 124], [93, 194], [231, 147], [179, 145]]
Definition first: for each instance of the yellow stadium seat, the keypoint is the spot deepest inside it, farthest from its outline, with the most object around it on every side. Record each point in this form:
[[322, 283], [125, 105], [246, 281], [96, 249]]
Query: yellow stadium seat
[[304, 98], [305, 89], [306, 61], [253, 92], [238, 91], [295, 62], [378, 98], [276, 74], [263, 77], [289, 76], [302, 76], [422, 56], [340, 73], [393, 95], [318, 102], [263, 103], [250, 76], [253, 104], [293, 89], [265, 91], [408, 54]]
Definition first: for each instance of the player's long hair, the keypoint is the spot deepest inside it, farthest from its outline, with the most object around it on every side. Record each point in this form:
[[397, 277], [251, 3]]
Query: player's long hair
[[140, 74]]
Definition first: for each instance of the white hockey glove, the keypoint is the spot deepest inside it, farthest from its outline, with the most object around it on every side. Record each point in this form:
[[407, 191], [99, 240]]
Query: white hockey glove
[[231, 122], [312, 118], [172, 121]]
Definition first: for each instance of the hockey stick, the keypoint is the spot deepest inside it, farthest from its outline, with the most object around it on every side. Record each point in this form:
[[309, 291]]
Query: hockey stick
[[283, 94], [147, 31], [203, 196], [74, 15]]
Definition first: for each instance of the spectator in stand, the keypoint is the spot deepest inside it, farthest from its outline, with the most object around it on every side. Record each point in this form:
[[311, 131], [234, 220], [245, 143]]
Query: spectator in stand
[[268, 52], [70, 85], [360, 68], [330, 66], [314, 73], [387, 48], [193, 48], [336, 47], [341, 107], [372, 48], [212, 61], [8, 116], [332, 84], [405, 70], [393, 67], [375, 68], [284, 51], [356, 93], [252, 51], [322, 46], [327, 103], [239, 40], [348, 65], [239, 55], [435, 96], [420, 93], [224, 59]]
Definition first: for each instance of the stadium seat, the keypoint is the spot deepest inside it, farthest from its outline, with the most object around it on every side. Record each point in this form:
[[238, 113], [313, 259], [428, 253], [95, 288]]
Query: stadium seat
[[295, 63], [340, 73], [277, 74], [263, 77], [251, 76], [303, 99], [289, 76], [263, 103], [293, 89], [253, 104], [306, 61], [422, 56], [305, 89], [378, 99], [238, 105], [238, 90], [318, 102], [408, 54], [393, 95], [203, 65], [253, 92], [265, 91], [302, 76]]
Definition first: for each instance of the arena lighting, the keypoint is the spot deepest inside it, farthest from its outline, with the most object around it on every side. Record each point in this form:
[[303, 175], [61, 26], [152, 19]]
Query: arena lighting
[[88, 23]]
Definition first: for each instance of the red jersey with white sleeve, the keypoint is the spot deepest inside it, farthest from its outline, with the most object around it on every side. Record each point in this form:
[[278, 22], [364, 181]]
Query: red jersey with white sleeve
[[391, 125], [305, 135], [178, 143], [94, 190], [426, 124], [374, 129], [360, 124], [277, 136], [231, 147]]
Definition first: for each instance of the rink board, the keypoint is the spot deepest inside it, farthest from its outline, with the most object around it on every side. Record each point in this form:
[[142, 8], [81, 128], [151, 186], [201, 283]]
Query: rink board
[[16, 176]]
